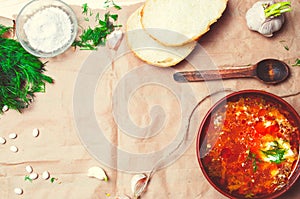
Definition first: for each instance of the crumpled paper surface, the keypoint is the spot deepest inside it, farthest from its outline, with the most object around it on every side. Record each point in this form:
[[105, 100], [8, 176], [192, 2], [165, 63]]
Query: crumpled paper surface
[[139, 111]]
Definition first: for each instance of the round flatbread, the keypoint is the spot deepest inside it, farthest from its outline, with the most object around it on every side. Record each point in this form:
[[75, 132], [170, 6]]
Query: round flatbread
[[177, 22], [149, 50]]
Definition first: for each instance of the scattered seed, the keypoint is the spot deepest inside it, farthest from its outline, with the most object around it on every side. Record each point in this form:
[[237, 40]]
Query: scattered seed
[[14, 149], [12, 136], [5, 108], [35, 132], [45, 175], [29, 169], [18, 191], [33, 176], [2, 140]]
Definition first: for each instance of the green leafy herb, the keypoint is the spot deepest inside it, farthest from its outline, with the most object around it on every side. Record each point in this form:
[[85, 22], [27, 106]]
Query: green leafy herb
[[275, 154], [285, 45], [111, 3], [52, 180], [297, 62], [27, 178], [91, 38], [252, 157], [85, 8], [21, 74], [277, 9], [4, 29]]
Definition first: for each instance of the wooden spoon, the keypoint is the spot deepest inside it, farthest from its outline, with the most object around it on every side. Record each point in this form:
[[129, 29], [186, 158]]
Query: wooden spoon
[[269, 71]]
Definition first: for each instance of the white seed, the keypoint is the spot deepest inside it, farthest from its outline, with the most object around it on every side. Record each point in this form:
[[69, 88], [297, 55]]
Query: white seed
[[45, 175], [2, 140], [12, 136], [4, 108], [29, 169], [14, 149], [35, 132], [33, 176], [18, 191]]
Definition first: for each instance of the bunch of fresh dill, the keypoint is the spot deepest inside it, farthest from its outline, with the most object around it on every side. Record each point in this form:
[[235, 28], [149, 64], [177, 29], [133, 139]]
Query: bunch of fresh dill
[[21, 74]]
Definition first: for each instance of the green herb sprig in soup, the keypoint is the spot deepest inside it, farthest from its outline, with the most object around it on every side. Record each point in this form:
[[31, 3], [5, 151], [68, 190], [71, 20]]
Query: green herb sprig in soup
[[252, 147]]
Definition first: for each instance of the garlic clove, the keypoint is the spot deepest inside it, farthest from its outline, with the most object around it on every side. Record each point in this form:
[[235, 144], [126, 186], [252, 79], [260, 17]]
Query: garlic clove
[[97, 172], [255, 16], [114, 39], [138, 183]]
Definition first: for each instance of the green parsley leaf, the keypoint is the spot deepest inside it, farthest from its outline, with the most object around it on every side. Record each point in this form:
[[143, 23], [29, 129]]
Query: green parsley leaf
[[297, 62], [252, 157], [26, 178], [111, 3], [52, 180], [114, 17], [85, 9], [91, 38], [275, 155], [286, 47]]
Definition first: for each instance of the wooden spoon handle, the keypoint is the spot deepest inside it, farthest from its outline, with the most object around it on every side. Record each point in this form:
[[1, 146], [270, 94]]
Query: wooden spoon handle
[[205, 75]]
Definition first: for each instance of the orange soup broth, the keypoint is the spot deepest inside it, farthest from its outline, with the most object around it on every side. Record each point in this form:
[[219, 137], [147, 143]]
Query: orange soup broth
[[252, 147]]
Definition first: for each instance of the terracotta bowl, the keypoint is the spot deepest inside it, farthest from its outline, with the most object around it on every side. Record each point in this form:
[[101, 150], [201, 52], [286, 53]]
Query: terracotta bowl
[[207, 139]]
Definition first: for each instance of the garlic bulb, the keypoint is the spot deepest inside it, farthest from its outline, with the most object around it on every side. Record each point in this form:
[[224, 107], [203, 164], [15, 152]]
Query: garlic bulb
[[257, 21]]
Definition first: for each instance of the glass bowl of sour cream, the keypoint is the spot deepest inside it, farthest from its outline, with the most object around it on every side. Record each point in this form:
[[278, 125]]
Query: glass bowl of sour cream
[[46, 28]]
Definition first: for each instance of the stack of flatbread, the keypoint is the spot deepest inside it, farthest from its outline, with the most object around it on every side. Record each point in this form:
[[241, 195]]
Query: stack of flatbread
[[164, 32]]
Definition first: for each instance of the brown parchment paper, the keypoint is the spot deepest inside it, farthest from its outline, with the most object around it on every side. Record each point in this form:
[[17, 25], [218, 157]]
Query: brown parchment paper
[[60, 150]]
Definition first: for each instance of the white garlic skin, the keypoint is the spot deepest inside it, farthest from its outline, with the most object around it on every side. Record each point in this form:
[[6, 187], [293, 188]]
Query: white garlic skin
[[114, 39], [257, 21], [135, 180]]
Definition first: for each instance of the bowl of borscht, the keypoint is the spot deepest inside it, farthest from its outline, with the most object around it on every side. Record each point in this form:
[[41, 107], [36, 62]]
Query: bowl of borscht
[[248, 145]]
